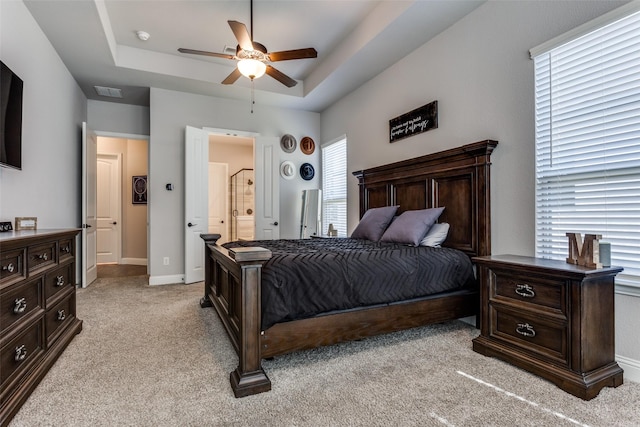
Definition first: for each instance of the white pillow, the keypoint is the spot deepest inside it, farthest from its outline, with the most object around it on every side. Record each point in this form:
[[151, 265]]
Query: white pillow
[[436, 235]]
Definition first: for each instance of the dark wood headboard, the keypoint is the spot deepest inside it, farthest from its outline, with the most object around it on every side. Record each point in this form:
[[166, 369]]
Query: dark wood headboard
[[457, 179]]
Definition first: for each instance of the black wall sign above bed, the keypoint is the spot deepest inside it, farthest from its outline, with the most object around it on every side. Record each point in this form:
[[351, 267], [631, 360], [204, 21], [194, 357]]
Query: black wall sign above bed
[[414, 122]]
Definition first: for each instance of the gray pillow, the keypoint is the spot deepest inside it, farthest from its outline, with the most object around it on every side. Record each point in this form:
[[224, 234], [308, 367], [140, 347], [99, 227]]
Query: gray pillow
[[374, 222], [411, 226], [436, 235]]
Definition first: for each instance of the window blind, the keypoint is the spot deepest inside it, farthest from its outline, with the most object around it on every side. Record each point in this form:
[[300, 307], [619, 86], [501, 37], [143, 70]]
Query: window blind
[[587, 130], [334, 186]]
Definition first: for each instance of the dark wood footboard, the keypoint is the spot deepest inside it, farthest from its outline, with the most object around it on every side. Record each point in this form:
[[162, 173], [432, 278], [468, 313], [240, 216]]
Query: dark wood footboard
[[457, 179], [232, 287]]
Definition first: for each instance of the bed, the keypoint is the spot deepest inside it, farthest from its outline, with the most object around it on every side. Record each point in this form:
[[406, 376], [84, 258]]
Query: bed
[[457, 179]]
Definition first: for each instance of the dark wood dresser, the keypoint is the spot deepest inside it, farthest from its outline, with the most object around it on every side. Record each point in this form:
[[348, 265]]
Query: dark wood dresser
[[37, 309], [551, 318]]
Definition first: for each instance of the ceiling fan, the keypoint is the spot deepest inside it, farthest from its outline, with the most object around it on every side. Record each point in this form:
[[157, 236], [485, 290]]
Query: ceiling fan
[[253, 57]]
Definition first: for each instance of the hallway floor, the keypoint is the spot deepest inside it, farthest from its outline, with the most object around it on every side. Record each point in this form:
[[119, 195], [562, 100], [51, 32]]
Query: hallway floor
[[121, 270]]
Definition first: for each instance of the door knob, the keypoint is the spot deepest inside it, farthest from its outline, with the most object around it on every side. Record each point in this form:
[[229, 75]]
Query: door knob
[[114, 223], [191, 225], [274, 223], [221, 222]]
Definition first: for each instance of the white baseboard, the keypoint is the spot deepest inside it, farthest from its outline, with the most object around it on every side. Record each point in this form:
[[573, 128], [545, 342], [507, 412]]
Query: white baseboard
[[134, 261], [166, 280], [631, 368]]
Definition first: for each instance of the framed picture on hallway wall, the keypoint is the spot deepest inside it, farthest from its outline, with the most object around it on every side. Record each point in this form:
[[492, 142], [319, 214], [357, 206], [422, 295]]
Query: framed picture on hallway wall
[[139, 190]]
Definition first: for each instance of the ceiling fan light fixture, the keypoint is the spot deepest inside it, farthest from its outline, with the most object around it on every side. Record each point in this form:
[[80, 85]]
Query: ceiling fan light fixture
[[252, 68]]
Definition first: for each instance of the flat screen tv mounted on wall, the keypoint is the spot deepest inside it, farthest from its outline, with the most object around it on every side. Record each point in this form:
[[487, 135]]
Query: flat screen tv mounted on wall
[[10, 118]]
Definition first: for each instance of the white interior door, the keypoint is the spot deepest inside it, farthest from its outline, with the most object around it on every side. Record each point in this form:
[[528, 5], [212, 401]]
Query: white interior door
[[108, 208], [267, 177], [196, 205], [89, 190], [219, 200]]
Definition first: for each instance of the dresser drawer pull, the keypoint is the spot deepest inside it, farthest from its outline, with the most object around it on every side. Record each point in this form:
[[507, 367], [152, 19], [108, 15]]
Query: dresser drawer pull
[[21, 353], [61, 315], [20, 305], [9, 267], [59, 280], [525, 291], [42, 257], [526, 330], [66, 249]]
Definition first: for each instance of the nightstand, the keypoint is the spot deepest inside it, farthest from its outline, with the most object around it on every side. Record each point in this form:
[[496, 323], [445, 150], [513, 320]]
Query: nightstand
[[550, 318]]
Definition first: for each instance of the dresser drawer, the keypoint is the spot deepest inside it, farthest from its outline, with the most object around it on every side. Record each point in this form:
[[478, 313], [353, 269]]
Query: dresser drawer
[[544, 293], [58, 280], [18, 302], [58, 317], [66, 249], [531, 333], [20, 353], [12, 266], [41, 256]]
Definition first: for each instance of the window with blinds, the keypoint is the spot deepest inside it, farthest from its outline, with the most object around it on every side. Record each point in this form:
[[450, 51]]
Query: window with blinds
[[587, 112], [334, 186]]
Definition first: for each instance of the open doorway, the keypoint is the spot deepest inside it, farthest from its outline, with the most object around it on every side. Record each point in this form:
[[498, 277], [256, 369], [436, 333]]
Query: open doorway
[[121, 238], [231, 187]]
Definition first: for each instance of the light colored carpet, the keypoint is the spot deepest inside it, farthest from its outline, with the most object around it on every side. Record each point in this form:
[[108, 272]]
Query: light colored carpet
[[150, 356]]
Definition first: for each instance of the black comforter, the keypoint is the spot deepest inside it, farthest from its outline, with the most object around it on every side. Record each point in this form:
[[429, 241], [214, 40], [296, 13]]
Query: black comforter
[[308, 277]]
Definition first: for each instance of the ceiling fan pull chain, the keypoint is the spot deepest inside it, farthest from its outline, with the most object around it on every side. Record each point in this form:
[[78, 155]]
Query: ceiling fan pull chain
[[253, 101]]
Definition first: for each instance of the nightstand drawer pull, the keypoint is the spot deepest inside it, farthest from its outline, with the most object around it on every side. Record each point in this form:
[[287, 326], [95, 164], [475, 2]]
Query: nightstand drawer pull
[[20, 305], [61, 315], [42, 256], [9, 267], [526, 330], [66, 249], [20, 354], [59, 280], [525, 291]]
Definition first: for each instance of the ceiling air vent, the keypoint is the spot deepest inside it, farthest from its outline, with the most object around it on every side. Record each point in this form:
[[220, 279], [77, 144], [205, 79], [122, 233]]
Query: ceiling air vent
[[111, 92]]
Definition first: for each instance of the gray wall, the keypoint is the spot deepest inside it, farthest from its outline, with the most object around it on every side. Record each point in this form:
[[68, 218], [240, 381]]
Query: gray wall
[[480, 72], [48, 186], [170, 113], [118, 118]]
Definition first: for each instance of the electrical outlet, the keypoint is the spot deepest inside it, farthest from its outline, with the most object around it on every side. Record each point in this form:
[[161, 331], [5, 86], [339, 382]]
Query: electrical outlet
[[165, 260]]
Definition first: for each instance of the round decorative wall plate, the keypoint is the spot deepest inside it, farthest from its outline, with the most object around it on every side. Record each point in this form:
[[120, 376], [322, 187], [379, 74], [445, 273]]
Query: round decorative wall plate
[[307, 146], [307, 172], [287, 169], [288, 143]]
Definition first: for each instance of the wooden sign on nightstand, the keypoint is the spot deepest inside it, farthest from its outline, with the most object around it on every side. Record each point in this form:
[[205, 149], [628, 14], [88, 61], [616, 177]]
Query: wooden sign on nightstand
[[585, 253]]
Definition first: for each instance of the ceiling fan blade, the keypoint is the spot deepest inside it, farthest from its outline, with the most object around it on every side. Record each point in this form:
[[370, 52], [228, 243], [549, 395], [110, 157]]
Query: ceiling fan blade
[[286, 55], [242, 35], [231, 78], [281, 77], [204, 52]]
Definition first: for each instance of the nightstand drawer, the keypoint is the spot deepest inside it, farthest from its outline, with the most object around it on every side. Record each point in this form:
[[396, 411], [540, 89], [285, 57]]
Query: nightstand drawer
[[533, 334], [541, 292], [19, 302]]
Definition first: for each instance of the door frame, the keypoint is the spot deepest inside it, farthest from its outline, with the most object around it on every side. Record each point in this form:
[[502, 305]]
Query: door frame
[[189, 274], [122, 135]]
